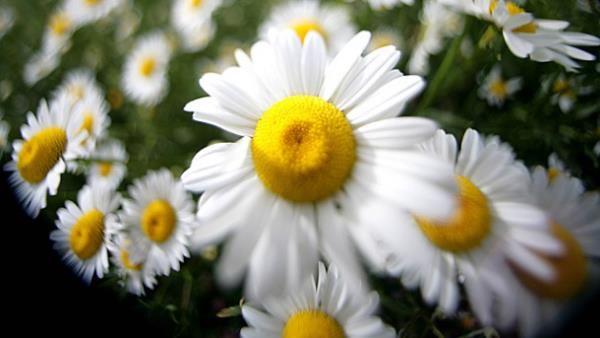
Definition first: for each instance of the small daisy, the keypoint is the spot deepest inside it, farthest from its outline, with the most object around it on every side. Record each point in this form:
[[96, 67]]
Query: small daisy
[[192, 20], [50, 139], [563, 93], [556, 167], [87, 11], [57, 36], [95, 121], [109, 166], [496, 218], [194, 39], [4, 129], [160, 217], [302, 16], [318, 137], [134, 275], [84, 229], [145, 72], [7, 20], [495, 89], [80, 84], [387, 4], [39, 66], [325, 307], [539, 39]]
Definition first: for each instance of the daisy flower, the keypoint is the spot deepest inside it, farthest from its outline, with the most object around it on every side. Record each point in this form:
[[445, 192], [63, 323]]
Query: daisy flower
[[196, 38], [109, 166], [59, 30], [79, 85], [387, 4], [563, 93], [556, 167], [495, 218], [539, 39], [318, 138], [7, 20], [302, 16], [39, 66], [145, 72], [495, 89], [159, 216], [325, 307], [50, 139], [84, 229], [192, 20], [87, 11], [94, 111], [4, 129], [135, 275]]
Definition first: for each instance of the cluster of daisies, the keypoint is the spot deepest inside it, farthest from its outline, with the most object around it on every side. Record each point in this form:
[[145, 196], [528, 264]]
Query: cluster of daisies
[[323, 168]]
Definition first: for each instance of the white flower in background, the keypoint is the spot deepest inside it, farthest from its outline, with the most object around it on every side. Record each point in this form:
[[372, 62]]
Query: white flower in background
[[575, 217], [79, 85], [385, 37], [495, 89], [437, 23], [60, 28], [94, 110], [539, 39], [556, 167], [84, 230], [87, 11], [50, 138], [387, 4], [564, 93], [318, 138], [135, 275], [333, 22], [196, 38], [4, 129], [496, 217], [159, 218], [325, 306], [7, 20], [192, 20], [145, 72], [109, 166], [39, 66]]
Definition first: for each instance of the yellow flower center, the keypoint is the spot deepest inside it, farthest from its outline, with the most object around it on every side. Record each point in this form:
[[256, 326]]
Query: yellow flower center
[[159, 220], [312, 324], [468, 227], [303, 148], [59, 24], [498, 88], [303, 26], [514, 9], [87, 125], [127, 263], [570, 268], [77, 91], [553, 173], [147, 66], [92, 2], [87, 234], [381, 40], [195, 3], [105, 168], [40, 154]]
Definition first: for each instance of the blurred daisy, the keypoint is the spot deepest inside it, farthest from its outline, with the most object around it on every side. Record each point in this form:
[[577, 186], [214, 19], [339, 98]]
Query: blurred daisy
[[134, 275], [495, 217], [49, 139], [437, 23], [385, 37], [39, 66], [87, 11], [387, 4], [7, 20], [322, 307], [576, 224], [302, 16], [94, 110], [539, 39], [159, 217], [79, 85], [318, 138], [495, 89], [563, 94], [145, 72], [196, 38], [192, 20], [109, 166], [57, 36], [556, 167], [84, 229], [4, 129]]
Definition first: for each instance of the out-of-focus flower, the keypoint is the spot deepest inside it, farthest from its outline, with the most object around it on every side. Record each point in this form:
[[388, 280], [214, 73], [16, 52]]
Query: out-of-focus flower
[[539, 39], [109, 166], [60, 28], [319, 137], [556, 167], [325, 306], [4, 129], [495, 89], [387, 4], [563, 93], [79, 85], [332, 22], [94, 110], [39, 66], [87, 11], [84, 230], [134, 274], [192, 20], [7, 20], [145, 72], [385, 37]]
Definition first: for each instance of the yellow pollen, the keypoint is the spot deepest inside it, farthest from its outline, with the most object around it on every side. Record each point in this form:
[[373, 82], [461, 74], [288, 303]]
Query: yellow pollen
[[312, 324], [87, 125], [40, 154], [303, 148], [498, 88], [105, 168], [147, 66], [571, 269], [468, 227], [127, 263], [303, 26], [195, 3], [514, 9], [59, 23], [159, 220], [87, 234], [553, 173], [92, 2]]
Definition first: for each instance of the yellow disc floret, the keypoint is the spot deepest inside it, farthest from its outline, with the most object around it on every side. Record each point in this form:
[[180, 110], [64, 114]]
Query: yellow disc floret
[[40, 154], [127, 263], [498, 88], [59, 24], [105, 168], [514, 9], [312, 324], [468, 227], [195, 3], [147, 66], [303, 148], [87, 234], [303, 26], [570, 269], [159, 220]]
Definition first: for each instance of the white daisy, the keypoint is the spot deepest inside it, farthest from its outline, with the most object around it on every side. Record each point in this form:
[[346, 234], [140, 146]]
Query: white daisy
[[80, 84], [196, 38], [539, 39], [50, 138], [60, 28], [39, 66], [564, 94], [302, 16], [109, 166], [145, 73], [94, 110], [87, 11], [7, 20], [135, 275], [387, 4], [4, 129], [318, 138], [496, 217], [325, 307], [192, 20], [495, 89], [84, 230], [159, 216], [556, 167]]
